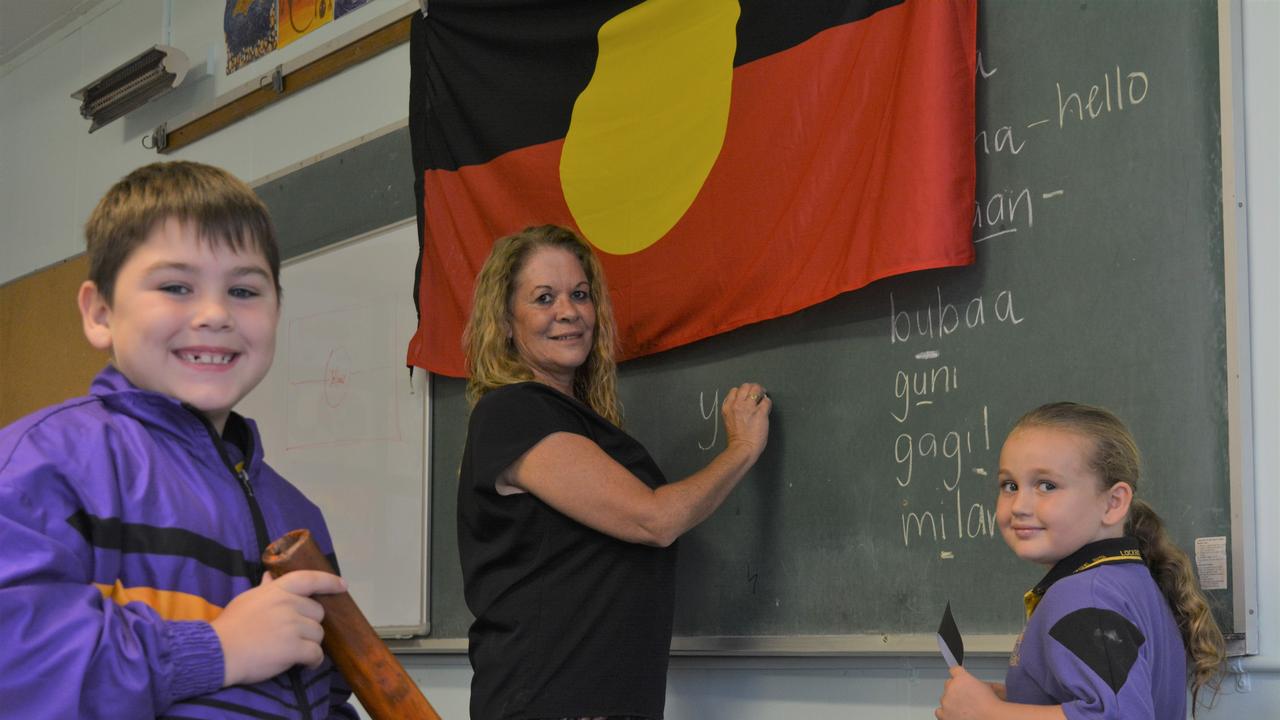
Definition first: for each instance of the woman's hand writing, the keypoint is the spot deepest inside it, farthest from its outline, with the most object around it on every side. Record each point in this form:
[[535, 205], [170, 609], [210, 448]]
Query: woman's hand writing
[[746, 418]]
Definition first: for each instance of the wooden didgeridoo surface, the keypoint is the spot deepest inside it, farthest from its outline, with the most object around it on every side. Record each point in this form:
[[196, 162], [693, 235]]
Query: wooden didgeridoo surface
[[376, 677]]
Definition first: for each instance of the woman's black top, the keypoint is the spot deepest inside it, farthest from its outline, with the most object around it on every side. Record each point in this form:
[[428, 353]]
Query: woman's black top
[[570, 622]]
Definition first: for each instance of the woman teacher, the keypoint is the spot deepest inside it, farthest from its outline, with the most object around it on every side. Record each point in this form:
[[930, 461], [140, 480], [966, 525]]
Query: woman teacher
[[566, 526]]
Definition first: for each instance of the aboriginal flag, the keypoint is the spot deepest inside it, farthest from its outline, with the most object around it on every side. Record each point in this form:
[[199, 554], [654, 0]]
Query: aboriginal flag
[[730, 160]]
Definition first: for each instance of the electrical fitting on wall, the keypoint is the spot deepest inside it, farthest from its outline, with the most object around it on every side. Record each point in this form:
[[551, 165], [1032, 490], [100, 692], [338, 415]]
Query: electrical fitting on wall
[[142, 79]]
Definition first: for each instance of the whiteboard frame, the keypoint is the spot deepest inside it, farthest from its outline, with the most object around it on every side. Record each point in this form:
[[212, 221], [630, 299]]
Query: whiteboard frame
[[423, 625], [1235, 263]]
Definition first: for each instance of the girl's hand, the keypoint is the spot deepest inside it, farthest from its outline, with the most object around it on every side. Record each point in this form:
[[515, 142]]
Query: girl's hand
[[965, 697]]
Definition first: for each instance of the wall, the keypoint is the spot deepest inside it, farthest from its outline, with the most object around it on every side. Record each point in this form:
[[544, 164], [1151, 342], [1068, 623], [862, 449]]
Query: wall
[[52, 171]]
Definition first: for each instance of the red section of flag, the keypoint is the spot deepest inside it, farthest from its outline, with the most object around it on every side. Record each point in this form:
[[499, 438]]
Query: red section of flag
[[847, 159]]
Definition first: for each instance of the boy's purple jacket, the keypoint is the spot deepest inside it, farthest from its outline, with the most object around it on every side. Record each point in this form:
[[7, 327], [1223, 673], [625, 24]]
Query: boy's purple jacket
[[124, 528]]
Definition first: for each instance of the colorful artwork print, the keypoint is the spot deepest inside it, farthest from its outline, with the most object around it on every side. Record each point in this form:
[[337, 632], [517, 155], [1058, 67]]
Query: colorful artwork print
[[250, 30], [342, 7], [299, 17]]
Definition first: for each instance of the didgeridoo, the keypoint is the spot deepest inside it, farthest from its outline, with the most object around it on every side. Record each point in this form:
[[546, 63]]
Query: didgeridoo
[[376, 677]]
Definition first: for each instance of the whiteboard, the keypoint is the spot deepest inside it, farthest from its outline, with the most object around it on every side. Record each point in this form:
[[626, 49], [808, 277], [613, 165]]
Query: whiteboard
[[342, 420]]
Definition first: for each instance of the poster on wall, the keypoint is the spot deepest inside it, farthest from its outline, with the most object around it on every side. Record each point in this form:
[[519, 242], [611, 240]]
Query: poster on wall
[[342, 7], [299, 17], [254, 28], [250, 30]]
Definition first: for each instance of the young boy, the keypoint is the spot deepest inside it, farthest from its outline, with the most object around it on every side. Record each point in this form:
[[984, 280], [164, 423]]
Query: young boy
[[132, 520]]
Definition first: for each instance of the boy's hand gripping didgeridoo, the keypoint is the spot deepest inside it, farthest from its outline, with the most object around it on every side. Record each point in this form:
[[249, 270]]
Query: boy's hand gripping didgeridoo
[[376, 677]]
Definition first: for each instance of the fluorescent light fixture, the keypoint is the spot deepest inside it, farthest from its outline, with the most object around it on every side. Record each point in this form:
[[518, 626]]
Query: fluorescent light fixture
[[132, 85]]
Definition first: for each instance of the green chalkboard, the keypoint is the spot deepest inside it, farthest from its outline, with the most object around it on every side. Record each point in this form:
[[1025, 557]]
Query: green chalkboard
[[1099, 278]]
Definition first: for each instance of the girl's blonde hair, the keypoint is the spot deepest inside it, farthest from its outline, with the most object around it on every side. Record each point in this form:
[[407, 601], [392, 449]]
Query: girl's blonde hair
[[1116, 459], [492, 359]]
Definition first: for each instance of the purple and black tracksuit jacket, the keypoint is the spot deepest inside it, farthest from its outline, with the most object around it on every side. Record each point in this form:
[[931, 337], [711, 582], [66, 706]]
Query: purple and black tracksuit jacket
[[126, 524]]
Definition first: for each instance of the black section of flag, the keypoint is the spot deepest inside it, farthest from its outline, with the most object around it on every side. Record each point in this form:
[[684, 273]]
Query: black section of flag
[[491, 76], [771, 26], [521, 63]]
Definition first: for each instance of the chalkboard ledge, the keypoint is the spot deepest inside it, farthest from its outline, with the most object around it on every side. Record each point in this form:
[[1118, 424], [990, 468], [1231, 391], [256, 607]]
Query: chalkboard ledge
[[771, 646]]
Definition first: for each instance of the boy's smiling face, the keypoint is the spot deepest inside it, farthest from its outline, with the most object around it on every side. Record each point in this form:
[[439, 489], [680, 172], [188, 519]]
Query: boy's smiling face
[[192, 319]]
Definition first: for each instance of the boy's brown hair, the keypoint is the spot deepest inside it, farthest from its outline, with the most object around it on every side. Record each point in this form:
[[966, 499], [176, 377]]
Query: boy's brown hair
[[224, 210]]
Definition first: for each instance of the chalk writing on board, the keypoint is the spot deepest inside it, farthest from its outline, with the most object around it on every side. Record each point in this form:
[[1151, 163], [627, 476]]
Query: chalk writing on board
[[947, 317], [1004, 209], [341, 378], [1105, 98], [1001, 140], [983, 72], [710, 414], [940, 470], [965, 522], [917, 387], [939, 454]]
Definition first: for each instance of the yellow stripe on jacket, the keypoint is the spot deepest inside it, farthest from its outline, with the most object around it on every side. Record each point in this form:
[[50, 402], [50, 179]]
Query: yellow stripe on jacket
[[170, 604]]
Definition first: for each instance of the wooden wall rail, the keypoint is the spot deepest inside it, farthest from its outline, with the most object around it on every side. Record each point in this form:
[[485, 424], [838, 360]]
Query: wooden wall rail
[[283, 85]]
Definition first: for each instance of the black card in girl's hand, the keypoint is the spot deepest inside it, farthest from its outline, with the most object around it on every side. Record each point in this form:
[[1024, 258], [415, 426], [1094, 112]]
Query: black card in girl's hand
[[949, 640]]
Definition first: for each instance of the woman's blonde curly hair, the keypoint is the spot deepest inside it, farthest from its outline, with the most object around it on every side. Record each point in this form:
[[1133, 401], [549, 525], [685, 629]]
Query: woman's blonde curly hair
[[492, 358]]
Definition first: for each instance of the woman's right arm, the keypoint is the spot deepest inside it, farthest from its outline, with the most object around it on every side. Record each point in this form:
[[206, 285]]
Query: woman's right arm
[[572, 474]]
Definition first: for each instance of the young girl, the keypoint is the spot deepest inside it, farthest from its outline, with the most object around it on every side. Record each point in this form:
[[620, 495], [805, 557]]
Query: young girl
[[1118, 628]]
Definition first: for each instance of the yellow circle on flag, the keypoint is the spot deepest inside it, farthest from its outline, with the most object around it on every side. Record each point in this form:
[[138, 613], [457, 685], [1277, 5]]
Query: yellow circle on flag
[[649, 126]]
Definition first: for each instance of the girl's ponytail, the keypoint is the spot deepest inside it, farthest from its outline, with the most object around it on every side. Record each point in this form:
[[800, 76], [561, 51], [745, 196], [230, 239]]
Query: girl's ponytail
[[1172, 571]]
